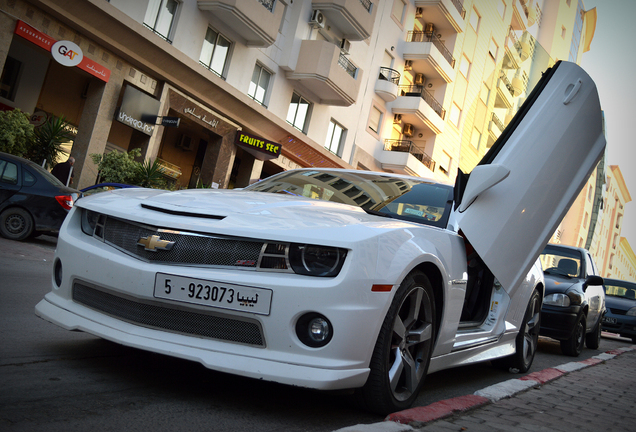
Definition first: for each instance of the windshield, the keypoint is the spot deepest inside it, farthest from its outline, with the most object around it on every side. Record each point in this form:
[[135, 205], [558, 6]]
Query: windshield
[[405, 198], [620, 289], [562, 262]]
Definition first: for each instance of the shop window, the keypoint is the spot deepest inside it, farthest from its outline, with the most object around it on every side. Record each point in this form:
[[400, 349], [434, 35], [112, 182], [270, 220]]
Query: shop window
[[9, 80], [259, 85], [215, 52], [335, 138], [160, 17], [375, 120], [298, 114]]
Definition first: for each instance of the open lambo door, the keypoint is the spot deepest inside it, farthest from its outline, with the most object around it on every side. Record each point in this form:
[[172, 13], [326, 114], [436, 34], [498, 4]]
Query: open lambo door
[[512, 202]]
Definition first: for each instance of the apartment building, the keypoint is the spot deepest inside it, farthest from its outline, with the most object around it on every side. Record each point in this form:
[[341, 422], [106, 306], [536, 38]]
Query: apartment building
[[224, 92]]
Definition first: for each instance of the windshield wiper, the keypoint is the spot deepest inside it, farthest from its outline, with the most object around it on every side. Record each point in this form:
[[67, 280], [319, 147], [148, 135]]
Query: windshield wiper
[[378, 213]]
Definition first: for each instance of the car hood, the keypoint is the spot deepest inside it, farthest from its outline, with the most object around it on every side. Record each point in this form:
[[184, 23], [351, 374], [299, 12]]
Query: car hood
[[619, 302], [556, 284], [240, 212]]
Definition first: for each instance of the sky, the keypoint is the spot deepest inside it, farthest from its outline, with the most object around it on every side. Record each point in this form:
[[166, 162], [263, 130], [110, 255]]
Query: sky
[[611, 62]]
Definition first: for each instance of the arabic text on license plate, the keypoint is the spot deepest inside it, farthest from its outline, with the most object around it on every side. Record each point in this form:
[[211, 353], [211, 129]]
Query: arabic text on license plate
[[609, 320], [213, 294]]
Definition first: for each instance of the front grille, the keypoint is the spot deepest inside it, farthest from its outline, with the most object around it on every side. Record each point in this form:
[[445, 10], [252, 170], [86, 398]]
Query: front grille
[[618, 311], [188, 248], [174, 320]]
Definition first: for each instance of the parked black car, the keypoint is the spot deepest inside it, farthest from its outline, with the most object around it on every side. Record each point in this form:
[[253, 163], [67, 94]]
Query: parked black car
[[32, 201], [620, 297], [574, 301]]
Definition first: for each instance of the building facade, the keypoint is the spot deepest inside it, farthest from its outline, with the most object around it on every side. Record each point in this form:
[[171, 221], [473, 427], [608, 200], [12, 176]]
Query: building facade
[[222, 93]]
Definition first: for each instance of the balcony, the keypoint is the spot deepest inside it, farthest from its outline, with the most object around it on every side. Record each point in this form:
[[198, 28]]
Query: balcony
[[419, 108], [505, 93], [324, 71], [405, 157], [257, 21], [387, 84], [353, 18], [512, 45], [429, 56], [447, 15], [519, 15], [495, 128]]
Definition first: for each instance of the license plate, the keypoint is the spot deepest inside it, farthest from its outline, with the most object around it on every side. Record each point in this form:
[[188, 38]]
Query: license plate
[[609, 320], [213, 294]]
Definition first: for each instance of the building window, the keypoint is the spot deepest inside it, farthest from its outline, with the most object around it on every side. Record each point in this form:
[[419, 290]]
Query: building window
[[484, 94], [590, 193], [335, 138], [214, 52], [562, 32], [298, 113], [454, 114], [501, 8], [160, 17], [474, 20], [9, 80], [398, 10], [444, 162], [375, 120], [475, 138], [259, 84], [585, 220], [464, 66], [493, 49]]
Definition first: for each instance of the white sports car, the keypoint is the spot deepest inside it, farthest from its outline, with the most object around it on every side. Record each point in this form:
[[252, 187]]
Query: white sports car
[[338, 279]]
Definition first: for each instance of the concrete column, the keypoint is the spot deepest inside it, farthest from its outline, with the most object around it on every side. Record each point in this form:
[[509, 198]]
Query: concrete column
[[218, 161], [7, 26], [249, 171], [94, 127]]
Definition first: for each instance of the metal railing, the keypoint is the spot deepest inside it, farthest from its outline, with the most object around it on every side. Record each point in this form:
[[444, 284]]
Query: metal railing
[[407, 146], [269, 4], [158, 34], [388, 74], [349, 67], [366, 4], [420, 36], [497, 122], [504, 79], [413, 90], [460, 8]]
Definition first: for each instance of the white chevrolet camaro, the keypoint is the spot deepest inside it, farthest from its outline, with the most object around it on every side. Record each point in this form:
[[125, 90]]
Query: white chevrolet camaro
[[338, 279]]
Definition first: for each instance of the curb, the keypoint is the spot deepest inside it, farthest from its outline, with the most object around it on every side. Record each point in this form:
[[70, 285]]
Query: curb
[[399, 421]]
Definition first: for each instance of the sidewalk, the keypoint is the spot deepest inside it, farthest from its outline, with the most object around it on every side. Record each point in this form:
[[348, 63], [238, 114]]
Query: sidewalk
[[592, 395]]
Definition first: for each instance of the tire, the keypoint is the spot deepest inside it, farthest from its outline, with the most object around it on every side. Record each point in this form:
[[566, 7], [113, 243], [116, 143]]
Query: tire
[[593, 339], [16, 224], [574, 345], [403, 350], [527, 339]]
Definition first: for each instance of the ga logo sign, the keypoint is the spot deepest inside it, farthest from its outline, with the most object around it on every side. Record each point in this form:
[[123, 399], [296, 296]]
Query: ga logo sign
[[67, 53]]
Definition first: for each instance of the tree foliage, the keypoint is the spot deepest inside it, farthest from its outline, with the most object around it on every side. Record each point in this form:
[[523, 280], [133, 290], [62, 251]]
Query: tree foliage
[[119, 167], [16, 133], [48, 140]]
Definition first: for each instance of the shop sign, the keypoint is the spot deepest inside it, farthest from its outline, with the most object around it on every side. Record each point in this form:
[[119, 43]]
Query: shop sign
[[258, 147], [136, 108], [213, 122], [64, 52]]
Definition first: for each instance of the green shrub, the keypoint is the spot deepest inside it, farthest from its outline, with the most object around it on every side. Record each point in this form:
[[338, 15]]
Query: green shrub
[[118, 167], [16, 133]]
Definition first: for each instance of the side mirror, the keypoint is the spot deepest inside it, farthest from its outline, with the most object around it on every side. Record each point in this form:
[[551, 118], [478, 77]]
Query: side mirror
[[592, 280]]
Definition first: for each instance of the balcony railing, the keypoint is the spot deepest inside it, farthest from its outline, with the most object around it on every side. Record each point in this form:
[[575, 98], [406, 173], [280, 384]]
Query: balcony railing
[[349, 67], [366, 4], [420, 36], [269, 4], [407, 146], [506, 82], [497, 122], [388, 74], [413, 90], [460, 7]]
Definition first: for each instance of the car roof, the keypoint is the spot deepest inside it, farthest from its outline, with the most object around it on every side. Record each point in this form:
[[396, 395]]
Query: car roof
[[567, 247]]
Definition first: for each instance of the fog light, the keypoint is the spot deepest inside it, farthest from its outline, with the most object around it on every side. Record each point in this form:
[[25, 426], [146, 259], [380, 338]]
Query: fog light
[[314, 330], [57, 273]]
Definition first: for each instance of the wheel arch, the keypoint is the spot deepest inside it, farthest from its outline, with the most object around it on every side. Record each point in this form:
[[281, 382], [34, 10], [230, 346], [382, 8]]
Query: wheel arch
[[436, 279]]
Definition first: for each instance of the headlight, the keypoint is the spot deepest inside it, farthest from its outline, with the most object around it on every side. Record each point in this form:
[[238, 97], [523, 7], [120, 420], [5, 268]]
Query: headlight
[[557, 300], [316, 260], [89, 221], [631, 312]]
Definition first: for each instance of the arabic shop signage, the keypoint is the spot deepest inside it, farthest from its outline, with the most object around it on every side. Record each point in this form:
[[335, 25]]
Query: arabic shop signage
[[258, 147], [136, 108], [66, 53], [199, 114]]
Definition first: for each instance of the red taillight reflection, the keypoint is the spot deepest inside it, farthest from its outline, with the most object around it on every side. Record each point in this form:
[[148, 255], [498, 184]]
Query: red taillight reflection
[[65, 201]]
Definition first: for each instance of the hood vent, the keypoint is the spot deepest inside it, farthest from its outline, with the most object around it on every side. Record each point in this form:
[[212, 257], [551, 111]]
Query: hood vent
[[182, 213]]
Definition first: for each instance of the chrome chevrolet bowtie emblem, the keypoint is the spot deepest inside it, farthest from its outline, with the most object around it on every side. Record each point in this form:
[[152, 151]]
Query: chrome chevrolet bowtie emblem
[[154, 243]]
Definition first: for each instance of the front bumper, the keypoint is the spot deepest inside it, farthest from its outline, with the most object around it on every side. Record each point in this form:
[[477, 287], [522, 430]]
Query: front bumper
[[624, 326], [558, 322]]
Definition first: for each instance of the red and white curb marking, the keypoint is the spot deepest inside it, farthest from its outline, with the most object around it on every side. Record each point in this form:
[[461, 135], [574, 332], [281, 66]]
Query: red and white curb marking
[[399, 421]]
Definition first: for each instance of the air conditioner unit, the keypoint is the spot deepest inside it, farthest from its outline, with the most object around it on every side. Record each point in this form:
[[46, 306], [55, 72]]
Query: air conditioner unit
[[186, 143], [345, 46], [419, 79], [429, 28], [317, 19], [397, 118], [408, 65], [408, 130], [418, 12]]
